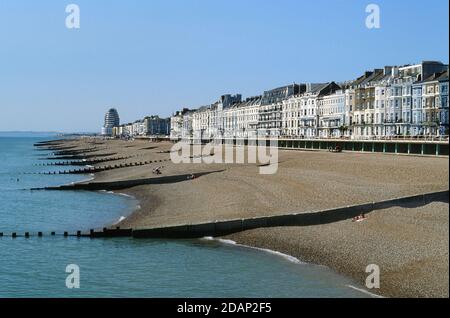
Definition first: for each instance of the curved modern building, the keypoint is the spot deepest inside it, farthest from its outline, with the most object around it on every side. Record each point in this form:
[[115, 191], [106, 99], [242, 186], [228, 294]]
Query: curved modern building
[[111, 120]]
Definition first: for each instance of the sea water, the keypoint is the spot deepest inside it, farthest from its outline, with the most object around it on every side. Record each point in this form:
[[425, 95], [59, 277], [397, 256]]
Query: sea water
[[125, 267]]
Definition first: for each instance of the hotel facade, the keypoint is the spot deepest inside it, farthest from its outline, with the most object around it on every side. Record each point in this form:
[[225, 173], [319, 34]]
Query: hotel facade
[[410, 100], [148, 126]]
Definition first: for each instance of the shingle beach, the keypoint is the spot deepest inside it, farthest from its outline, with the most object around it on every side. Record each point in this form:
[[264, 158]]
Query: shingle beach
[[410, 244]]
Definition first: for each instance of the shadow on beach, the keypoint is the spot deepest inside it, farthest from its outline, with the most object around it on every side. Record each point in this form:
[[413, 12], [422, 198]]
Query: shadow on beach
[[125, 184]]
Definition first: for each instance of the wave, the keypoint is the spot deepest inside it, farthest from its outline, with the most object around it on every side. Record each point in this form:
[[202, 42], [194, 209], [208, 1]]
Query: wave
[[119, 220], [364, 291], [91, 177], [125, 195], [285, 256], [106, 191], [266, 250]]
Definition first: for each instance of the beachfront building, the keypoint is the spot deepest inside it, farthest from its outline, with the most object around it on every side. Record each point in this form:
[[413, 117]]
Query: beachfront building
[[250, 116], [331, 111], [156, 126], [434, 114], [201, 122], [410, 100], [388, 101], [149, 126], [271, 108], [400, 101], [444, 111], [176, 124], [111, 120], [117, 131], [349, 106], [241, 118], [230, 121], [222, 115], [308, 108], [416, 123], [365, 104], [126, 130], [138, 128], [380, 109], [290, 117], [381, 100], [187, 129]]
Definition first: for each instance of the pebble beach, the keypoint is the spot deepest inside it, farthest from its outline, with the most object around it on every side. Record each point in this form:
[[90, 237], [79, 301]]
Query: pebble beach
[[409, 244]]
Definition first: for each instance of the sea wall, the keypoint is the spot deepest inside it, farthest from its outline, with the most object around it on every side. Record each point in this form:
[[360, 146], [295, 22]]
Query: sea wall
[[221, 228]]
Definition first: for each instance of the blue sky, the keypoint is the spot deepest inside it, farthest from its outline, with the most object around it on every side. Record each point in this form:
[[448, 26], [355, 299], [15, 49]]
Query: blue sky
[[154, 57]]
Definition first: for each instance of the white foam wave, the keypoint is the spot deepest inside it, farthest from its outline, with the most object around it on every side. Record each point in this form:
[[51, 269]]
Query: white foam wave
[[266, 250], [85, 180], [125, 195], [364, 291], [120, 220]]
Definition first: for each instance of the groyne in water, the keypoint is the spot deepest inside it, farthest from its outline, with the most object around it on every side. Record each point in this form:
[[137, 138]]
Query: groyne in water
[[84, 162], [98, 169], [79, 157], [226, 227]]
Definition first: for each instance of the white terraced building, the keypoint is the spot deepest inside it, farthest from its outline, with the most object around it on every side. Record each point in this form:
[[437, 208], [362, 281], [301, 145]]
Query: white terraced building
[[332, 121], [410, 100], [241, 119]]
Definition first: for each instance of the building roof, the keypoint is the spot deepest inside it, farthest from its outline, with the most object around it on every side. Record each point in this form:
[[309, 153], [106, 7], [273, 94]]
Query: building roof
[[250, 101], [440, 76], [443, 77], [315, 88]]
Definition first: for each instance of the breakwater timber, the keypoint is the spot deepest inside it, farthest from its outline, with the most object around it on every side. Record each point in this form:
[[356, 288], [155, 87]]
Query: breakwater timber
[[226, 227]]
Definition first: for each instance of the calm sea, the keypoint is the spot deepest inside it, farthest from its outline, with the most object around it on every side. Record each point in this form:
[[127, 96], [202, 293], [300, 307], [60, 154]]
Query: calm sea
[[36, 267]]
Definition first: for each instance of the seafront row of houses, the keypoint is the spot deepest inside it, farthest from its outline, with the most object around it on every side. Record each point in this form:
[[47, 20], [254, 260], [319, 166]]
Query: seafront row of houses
[[148, 126], [409, 100]]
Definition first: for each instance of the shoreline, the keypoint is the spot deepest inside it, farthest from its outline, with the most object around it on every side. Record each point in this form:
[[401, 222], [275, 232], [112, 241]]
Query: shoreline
[[158, 208], [229, 242], [287, 257]]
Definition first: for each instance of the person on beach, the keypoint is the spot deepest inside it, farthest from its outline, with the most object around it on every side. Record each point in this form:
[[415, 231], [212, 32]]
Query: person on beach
[[359, 218], [157, 170]]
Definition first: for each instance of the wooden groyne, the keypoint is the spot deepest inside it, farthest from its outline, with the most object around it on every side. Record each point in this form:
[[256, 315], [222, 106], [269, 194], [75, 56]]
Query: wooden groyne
[[89, 170], [79, 157], [49, 143], [226, 227], [221, 228], [106, 232], [58, 152], [84, 162], [124, 184]]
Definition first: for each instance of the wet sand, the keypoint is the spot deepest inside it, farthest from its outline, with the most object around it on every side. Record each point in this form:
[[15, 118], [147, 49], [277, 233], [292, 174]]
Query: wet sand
[[409, 244]]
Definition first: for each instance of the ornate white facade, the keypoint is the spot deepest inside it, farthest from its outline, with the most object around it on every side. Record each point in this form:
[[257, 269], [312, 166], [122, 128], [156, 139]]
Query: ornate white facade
[[403, 101]]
